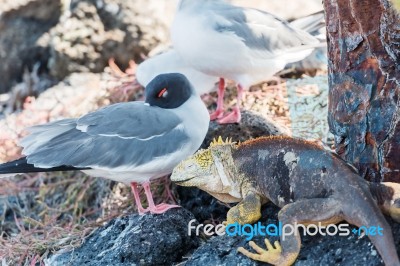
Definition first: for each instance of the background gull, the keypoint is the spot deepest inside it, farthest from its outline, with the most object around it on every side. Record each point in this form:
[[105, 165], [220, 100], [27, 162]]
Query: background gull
[[171, 62], [131, 142], [241, 44]]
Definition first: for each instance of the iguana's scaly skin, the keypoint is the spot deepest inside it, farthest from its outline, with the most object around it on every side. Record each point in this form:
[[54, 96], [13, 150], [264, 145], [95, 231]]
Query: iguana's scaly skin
[[309, 183]]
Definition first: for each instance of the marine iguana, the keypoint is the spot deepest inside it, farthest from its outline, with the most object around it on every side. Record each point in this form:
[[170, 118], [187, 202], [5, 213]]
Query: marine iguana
[[309, 183]]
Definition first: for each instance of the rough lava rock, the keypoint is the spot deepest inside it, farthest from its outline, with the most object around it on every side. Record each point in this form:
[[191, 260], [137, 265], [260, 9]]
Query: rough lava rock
[[221, 250], [134, 239], [94, 31], [315, 250], [203, 206], [22, 24], [15, 206], [75, 36]]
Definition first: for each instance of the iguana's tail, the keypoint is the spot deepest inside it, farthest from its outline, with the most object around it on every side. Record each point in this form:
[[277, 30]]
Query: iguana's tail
[[363, 212], [387, 195]]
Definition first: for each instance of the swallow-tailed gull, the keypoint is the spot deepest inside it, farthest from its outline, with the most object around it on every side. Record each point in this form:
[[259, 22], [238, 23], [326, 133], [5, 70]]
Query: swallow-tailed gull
[[241, 44], [130, 142], [171, 62]]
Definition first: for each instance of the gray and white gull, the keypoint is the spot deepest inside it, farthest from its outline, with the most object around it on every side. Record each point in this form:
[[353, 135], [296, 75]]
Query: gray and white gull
[[241, 44], [132, 142]]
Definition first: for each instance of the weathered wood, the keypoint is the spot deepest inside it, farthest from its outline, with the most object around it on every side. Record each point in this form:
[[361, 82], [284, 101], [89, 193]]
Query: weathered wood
[[364, 82]]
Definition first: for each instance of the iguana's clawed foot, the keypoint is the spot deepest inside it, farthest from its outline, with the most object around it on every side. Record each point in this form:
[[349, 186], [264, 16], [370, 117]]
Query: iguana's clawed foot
[[272, 255]]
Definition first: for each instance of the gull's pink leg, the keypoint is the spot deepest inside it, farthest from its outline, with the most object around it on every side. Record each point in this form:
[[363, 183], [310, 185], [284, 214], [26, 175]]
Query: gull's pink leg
[[234, 116], [153, 208], [219, 112], [167, 190], [135, 192]]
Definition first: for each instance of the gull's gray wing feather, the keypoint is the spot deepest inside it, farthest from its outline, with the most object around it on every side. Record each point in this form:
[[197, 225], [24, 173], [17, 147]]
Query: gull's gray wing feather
[[121, 135], [129, 120], [310, 23], [258, 29]]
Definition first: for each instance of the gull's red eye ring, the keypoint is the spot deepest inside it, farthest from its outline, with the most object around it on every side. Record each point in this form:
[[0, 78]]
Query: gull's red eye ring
[[162, 92]]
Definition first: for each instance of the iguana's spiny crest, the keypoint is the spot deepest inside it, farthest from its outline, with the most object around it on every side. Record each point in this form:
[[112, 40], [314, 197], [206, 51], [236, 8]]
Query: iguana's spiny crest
[[220, 142], [204, 157]]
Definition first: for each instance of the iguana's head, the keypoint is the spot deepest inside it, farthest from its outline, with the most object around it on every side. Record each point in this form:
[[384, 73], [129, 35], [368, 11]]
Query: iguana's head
[[209, 169]]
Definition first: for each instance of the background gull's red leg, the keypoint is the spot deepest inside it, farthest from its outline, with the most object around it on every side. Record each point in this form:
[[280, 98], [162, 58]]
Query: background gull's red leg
[[235, 116], [219, 112]]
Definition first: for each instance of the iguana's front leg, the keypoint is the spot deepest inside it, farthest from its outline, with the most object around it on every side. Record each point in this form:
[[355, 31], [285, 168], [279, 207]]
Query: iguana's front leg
[[305, 211], [248, 211]]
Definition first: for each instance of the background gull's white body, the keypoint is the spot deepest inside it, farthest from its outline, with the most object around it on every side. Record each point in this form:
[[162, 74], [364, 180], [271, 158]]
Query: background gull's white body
[[171, 62], [244, 45], [206, 35]]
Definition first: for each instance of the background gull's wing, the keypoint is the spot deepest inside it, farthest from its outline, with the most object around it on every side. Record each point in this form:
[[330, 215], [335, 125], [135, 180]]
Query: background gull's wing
[[312, 23], [260, 30]]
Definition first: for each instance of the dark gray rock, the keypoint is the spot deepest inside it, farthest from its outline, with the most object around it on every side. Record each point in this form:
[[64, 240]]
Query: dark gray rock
[[315, 250], [77, 37], [203, 206], [15, 206], [139, 240], [220, 250], [22, 24], [94, 31]]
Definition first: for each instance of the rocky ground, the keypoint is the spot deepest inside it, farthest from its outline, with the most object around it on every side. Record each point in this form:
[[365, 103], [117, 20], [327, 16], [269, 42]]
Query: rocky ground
[[55, 64]]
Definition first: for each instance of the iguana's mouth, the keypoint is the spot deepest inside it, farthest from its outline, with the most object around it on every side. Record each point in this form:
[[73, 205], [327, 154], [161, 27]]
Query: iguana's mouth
[[183, 181]]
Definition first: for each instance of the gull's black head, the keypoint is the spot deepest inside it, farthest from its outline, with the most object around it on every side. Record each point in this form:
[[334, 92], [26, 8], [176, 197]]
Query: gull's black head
[[168, 90]]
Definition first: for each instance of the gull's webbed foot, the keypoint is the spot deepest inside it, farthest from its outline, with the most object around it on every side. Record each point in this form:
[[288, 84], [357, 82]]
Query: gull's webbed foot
[[161, 208], [233, 117], [219, 113]]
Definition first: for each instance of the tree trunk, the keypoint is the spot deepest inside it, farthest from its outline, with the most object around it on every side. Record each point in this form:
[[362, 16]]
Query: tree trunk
[[364, 85]]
